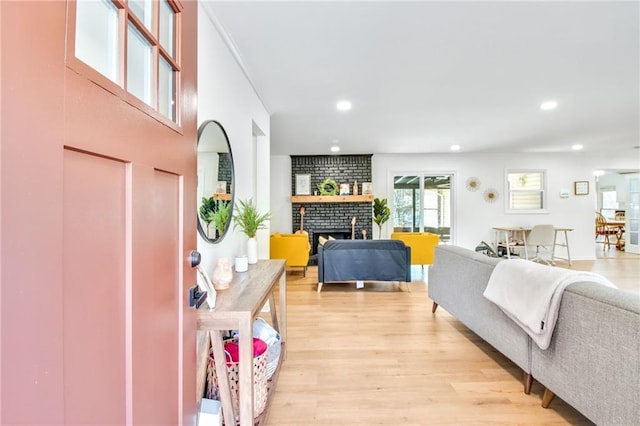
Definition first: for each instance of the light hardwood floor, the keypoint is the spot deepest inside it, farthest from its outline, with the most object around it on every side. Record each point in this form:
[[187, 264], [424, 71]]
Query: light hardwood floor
[[377, 356]]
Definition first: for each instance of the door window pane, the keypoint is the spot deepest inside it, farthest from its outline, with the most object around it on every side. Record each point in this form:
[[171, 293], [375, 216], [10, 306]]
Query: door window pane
[[422, 204], [143, 9], [133, 43], [138, 65], [97, 38], [167, 91], [437, 206], [406, 211], [167, 25]]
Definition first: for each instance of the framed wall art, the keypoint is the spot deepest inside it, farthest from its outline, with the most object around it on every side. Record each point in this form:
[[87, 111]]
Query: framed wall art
[[303, 184], [581, 187]]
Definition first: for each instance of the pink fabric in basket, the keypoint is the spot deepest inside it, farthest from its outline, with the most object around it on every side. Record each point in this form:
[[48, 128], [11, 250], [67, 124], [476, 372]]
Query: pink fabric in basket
[[232, 349]]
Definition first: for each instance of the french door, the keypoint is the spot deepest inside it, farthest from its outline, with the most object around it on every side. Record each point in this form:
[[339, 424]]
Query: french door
[[632, 227], [422, 203]]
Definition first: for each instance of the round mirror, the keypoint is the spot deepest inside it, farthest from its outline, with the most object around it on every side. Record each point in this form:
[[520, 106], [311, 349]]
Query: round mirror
[[215, 181]]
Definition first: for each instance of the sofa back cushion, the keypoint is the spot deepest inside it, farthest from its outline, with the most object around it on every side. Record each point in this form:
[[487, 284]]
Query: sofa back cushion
[[593, 362], [372, 260]]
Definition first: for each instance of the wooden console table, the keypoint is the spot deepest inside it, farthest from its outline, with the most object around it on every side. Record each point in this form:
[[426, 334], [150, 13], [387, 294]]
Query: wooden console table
[[236, 309]]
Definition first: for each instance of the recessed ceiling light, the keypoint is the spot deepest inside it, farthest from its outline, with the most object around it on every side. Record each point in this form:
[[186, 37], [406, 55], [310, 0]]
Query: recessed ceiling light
[[548, 105], [455, 148], [577, 147], [335, 149], [343, 105]]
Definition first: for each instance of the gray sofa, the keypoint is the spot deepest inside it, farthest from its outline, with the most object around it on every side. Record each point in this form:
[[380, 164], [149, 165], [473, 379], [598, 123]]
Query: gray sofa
[[363, 260], [593, 362], [457, 279]]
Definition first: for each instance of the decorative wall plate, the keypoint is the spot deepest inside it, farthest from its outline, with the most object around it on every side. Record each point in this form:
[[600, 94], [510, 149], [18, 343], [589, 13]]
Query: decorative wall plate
[[490, 195], [472, 184]]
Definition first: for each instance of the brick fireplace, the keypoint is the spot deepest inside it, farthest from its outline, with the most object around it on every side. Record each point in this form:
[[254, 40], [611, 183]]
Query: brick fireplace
[[324, 218]]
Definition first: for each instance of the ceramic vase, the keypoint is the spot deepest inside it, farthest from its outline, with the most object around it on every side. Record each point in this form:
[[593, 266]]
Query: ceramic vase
[[252, 250], [222, 274]]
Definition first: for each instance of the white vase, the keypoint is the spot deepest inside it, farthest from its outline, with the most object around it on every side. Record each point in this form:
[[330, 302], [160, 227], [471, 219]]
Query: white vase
[[252, 250]]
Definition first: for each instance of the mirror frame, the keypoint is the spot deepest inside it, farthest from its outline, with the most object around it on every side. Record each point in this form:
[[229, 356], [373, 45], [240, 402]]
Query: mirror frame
[[201, 231]]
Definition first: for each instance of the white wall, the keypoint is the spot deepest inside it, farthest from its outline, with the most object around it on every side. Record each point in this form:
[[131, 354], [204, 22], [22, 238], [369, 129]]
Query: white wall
[[225, 95], [281, 220], [472, 217]]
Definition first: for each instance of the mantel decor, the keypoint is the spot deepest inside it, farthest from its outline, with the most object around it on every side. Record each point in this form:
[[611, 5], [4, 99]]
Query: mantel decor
[[303, 184], [328, 187], [581, 187], [332, 198]]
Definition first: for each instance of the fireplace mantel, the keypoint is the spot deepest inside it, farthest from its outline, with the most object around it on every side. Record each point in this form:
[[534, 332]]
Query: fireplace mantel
[[332, 198]]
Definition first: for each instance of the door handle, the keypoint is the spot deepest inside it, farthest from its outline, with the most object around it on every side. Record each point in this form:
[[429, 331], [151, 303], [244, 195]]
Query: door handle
[[194, 258], [196, 297]]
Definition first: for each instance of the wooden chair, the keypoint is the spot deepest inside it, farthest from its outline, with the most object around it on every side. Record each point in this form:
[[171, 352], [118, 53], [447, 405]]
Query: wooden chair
[[603, 230]]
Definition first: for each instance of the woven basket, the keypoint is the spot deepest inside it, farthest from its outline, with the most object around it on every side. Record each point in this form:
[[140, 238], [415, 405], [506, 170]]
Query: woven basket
[[260, 389], [265, 332]]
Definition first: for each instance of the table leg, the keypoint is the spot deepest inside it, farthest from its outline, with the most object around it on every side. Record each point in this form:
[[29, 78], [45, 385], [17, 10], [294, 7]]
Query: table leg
[[524, 241], [282, 291], [506, 241], [274, 313], [245, 398], [223, 377], [566, 244]]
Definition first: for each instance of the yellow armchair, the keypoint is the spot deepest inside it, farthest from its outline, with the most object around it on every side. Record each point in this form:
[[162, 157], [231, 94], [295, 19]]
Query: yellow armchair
[[423, 245], [293, 248]]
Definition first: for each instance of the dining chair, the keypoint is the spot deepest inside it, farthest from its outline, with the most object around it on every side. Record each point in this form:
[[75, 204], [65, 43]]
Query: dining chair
[[603, 230], [542, 236]]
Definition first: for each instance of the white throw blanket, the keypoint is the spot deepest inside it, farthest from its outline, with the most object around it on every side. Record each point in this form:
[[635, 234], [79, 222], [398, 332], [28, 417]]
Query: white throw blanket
[[530, 294]]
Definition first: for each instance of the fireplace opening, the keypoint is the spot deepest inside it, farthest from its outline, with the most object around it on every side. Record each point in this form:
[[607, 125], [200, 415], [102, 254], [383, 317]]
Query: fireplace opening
[[338, 234]]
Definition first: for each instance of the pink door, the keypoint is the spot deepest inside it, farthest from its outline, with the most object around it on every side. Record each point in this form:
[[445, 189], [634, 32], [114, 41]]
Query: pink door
[[97, 220]]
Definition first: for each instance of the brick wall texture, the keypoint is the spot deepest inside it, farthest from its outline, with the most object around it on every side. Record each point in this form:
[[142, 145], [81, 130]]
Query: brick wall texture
[[334, 216]]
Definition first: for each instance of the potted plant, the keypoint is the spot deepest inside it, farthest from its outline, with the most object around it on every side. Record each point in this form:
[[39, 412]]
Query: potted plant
[[249, 220], [207, 208], [220, 217], [381, 213]]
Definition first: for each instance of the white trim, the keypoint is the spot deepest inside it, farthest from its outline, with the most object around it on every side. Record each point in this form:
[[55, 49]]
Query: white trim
[[228, 41]]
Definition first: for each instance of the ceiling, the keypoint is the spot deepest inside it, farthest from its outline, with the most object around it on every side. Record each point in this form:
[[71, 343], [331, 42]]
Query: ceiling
[[423, 76]]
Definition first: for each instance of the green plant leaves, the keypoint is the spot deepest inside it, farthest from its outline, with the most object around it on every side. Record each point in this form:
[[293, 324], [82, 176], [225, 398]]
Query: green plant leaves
[[381, 213], [207, 207], [248, 219]]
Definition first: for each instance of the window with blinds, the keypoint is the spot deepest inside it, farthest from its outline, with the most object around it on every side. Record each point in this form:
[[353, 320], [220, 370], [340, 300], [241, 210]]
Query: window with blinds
[[526, 191]]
